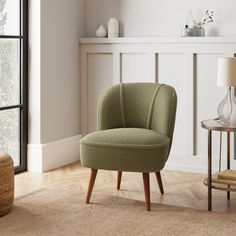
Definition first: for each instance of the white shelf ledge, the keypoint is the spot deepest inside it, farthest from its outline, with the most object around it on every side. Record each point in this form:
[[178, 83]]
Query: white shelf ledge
[[151, 40]]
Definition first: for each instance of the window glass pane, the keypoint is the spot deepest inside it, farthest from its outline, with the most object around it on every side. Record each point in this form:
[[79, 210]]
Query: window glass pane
[[10, 134], [9, 72], [9, 17]]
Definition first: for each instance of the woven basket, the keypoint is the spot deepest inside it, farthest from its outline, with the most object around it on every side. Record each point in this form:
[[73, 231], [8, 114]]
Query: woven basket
[[6, 184]]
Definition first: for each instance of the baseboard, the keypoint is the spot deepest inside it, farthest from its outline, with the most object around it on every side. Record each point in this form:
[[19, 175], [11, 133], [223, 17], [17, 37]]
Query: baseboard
[[187, 168], [44, 157], [197, 164]]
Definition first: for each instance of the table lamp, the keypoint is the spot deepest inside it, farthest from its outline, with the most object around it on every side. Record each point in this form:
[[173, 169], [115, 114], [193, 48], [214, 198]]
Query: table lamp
[[227, 78]]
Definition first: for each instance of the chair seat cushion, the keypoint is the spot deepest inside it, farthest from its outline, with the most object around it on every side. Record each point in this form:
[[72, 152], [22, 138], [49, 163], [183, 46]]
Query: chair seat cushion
[[125, 149]]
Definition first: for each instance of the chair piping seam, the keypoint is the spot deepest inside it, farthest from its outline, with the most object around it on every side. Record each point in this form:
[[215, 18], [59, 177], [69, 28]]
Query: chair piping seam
[[151, 106], [122, 105]]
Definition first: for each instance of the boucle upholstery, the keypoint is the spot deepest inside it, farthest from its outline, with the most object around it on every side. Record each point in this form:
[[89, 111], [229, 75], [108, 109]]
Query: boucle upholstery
[[135, 128]]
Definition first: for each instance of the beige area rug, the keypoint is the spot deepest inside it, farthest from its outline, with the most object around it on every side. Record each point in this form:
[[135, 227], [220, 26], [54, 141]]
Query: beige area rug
[[60, 212]]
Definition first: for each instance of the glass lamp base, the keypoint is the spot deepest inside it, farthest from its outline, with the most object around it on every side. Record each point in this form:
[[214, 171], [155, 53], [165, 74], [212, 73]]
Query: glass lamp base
[[227, 108]]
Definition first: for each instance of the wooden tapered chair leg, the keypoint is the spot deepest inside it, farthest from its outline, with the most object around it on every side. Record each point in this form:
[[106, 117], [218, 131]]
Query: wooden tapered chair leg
[[158, 176], [91, 184], [119, 175], [146, 184]]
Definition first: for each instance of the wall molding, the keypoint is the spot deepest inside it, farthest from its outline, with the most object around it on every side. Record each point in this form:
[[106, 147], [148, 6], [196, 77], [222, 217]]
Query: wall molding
[[188, 64], [196, 164], [165, 40], [48, 156]]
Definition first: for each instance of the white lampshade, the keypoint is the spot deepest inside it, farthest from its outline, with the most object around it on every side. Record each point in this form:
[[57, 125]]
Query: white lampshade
[[226, 71]]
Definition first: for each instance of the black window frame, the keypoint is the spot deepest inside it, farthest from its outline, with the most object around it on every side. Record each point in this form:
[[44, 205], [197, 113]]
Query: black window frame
[[23, 105]]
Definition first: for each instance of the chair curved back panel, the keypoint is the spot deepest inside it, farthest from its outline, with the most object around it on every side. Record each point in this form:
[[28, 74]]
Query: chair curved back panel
[[139, 105], [137, 99], [109, 109], [164, 111]]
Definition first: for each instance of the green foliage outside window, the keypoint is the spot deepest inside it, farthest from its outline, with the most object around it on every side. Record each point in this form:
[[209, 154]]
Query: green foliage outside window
[[9, 90]]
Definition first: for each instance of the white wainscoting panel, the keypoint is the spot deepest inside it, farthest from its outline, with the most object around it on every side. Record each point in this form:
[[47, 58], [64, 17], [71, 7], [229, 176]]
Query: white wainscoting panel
[[172, 71], [136, 67], [188, 64], [208, 98], [99, 77]]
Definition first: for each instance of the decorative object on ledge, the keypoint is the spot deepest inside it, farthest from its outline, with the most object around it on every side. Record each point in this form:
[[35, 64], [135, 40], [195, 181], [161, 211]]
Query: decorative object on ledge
[[6, 184], [200, 32], [186, 31], [227, 77], [208, 19], [113, 28], [197, 28], [101, 32]]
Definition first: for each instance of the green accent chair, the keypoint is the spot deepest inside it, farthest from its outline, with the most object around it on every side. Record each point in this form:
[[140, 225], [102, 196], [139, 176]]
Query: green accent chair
[[135, 129]]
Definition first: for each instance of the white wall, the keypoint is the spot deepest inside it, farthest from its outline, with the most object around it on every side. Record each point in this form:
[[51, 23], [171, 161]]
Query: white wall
[[34, 116], [61, 27], [160, 17], [55, 27]]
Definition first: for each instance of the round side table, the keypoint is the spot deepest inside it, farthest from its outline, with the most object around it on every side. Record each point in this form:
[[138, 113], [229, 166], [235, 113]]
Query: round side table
[[215, 125]]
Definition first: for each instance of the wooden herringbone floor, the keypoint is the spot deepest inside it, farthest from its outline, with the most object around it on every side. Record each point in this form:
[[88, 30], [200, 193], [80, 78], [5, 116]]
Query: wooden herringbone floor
[[181, 188]]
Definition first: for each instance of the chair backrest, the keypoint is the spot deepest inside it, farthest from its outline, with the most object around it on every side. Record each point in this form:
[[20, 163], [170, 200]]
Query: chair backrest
[[141, 105]]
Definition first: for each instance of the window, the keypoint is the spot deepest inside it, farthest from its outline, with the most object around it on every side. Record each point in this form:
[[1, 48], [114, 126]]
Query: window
[[13, 80]]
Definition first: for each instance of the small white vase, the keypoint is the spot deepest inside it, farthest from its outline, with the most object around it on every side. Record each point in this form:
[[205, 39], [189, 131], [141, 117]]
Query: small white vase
[[200, 32], [101, 32], [113, 28]]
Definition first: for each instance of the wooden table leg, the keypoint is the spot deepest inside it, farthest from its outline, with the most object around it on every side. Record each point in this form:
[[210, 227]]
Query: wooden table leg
[[119, 176], [209, 170], [228, 159]]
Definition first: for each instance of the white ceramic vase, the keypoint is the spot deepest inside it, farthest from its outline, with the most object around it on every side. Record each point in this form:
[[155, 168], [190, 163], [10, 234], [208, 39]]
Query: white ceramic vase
[[101, 32], [200, 32], [113, 28]]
